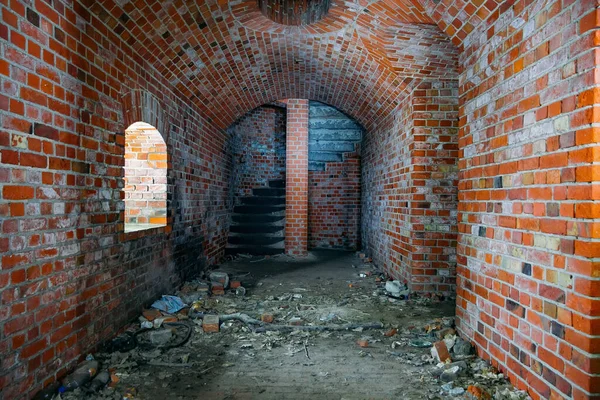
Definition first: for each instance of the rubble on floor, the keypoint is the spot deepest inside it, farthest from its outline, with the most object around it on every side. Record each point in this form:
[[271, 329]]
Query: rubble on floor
[[183, 338]]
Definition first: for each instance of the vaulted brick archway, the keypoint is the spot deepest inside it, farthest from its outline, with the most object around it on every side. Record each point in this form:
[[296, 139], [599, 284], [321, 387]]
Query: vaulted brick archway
[[332, 60]]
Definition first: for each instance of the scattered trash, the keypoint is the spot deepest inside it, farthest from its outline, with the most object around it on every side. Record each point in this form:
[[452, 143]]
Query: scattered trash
[[462, 348], [191, 297], [243, 324], [397, 290], [161, 337], [152, 314], [240, 291], [391, 332], [420, 343], [82, 375], [210, 323], [194, 291], [130, 393], [328, 318], [217, 289], [169, 304], [445, 332], [268, 318], [114, 379], [219, 277], [478, 392], [449, 375], [98, 382], [147, 325], [235, 284], [439, 351], [456, 391]]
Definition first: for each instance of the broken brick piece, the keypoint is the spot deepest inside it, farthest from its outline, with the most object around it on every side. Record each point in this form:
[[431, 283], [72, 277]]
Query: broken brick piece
[[442, 351], [210, 323], [151, 314], [268, 318], [445, 332], [363, 343], [114, 379], [391, 332], [478, 392], [218, 290], [218, 277], [235, 284]]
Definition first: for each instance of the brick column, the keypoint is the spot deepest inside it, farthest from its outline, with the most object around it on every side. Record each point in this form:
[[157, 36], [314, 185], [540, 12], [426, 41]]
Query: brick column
[[296, 187]]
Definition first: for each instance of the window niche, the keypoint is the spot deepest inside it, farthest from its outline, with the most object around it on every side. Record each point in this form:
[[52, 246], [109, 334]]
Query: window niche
[[145, 178]]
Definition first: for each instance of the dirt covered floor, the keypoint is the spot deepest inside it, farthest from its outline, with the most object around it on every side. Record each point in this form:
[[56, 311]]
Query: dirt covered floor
[[327, 290]]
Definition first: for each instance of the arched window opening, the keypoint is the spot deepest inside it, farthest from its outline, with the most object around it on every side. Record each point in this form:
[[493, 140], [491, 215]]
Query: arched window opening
[[145, 178]]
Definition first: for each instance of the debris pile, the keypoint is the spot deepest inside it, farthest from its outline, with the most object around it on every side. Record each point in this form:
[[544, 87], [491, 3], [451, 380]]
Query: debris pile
[[457, 368], [222, 319]]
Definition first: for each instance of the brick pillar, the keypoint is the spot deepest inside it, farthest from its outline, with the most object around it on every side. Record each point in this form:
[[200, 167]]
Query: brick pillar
[[296, 187]]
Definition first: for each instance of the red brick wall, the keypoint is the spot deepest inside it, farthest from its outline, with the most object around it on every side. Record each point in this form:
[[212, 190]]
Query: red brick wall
[[296, 184], [386, 192], [258, 148], [410, 189], [434, 180], [528, 205], [145, 175], [69, 277], [334, 205]]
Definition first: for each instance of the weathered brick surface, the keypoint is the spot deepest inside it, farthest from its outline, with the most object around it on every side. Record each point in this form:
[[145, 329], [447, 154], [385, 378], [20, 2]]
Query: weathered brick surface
[[69, 276], [529, 243], [227, 58], [459, 18], [258, 140], [409, 183], [296, 184], [334, 205], [434, 180], [333, 179], [386, 193]]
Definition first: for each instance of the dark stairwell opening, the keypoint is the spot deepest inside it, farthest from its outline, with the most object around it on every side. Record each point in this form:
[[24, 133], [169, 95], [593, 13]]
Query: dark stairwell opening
[[258, 219]]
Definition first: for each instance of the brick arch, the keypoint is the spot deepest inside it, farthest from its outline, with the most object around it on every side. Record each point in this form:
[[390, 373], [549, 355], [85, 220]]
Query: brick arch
[[458, 18], [227, 58], [139, 105], [352, 105]]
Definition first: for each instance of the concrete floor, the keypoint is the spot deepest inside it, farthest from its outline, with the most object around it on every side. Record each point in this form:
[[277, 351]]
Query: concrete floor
[[242, 365], [237, 363]]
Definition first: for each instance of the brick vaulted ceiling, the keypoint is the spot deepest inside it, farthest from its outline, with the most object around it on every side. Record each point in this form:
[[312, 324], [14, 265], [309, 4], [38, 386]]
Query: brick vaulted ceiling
[[228, 58]]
